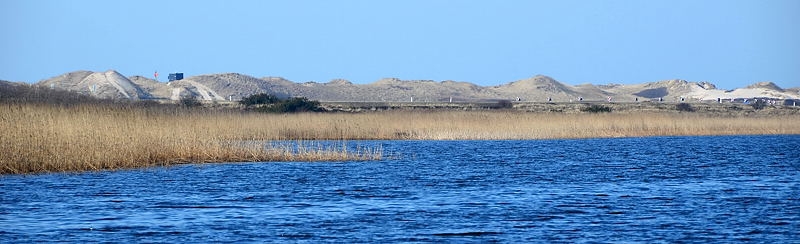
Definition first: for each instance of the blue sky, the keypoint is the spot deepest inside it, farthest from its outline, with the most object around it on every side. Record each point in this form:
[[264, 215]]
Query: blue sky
[[727, 42]]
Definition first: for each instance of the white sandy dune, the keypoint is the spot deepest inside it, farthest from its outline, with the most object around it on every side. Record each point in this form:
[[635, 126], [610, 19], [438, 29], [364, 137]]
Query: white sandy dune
[[219, 87], [706, 95]]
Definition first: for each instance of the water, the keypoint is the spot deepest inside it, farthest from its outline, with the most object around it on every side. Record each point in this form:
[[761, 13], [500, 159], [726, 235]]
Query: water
[[662, 189]]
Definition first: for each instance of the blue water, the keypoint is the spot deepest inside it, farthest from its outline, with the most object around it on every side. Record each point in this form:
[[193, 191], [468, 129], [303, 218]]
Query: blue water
[[662, 189]]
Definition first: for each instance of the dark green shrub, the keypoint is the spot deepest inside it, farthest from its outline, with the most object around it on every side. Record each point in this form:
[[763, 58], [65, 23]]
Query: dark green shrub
[[293, 105], [504, 104], [596, 108], [259, 99], [759, 104], [684, 107], [190, 101]]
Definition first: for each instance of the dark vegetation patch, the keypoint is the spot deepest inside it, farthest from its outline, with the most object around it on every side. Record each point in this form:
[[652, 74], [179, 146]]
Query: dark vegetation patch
[[24, 93], [684, 107], [759, 104], [259, 99], [190, 102], [504, 104], [596, 108], [263, 102], [13, 93]]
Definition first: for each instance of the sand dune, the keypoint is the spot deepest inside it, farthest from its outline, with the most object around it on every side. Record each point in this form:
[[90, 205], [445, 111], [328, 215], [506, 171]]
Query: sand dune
[[109, 84], [540, 88]]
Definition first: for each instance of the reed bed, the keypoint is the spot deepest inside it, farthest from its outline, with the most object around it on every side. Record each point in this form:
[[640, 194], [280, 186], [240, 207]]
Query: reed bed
[[52, 138], [40, 138], [508, 124]]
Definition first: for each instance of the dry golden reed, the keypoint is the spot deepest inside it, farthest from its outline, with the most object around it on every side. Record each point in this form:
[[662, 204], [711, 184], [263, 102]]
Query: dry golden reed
[[509, 124], [51, 138], [48, 138]]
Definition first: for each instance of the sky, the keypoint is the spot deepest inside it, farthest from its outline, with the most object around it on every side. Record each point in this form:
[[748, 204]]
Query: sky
[[730, 43]]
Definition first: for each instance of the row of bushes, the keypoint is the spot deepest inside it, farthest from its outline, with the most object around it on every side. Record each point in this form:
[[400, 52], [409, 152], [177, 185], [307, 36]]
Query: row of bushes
[[683, 107], [21, 93], [258, 102], [271, 104], [24, 93], [32, 94]]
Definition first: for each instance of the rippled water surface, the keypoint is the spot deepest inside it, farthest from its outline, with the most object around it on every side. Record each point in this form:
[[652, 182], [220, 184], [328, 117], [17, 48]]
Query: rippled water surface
[[662, 189]]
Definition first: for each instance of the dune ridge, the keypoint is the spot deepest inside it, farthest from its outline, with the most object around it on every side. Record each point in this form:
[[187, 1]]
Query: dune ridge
[[539, 88]]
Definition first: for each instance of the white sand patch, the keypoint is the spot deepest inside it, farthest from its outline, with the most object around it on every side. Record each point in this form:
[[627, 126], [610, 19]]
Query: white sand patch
[[120, 82], [116, 80], [176, 94], [738, 93], [207, 93]]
